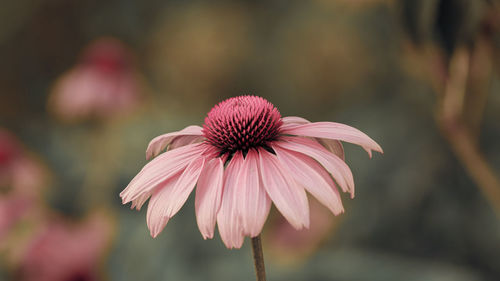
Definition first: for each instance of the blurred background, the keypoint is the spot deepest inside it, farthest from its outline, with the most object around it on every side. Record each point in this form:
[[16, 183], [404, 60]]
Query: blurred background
[[85, 85]]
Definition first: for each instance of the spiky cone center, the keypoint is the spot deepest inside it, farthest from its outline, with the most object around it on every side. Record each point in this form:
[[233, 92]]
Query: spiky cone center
[[242, 123]]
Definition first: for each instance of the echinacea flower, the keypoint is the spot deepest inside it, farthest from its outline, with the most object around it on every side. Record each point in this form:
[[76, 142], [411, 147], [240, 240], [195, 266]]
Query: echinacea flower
[[245, 157], [103, 84]]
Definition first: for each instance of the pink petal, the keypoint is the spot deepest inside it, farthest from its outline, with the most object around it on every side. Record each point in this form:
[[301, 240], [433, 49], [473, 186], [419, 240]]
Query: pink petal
[[184, 140], [253, 203], [160, 169], [227, 218], [333, 146], [331, 130], [313, 177], [332, 163], [138, 202], [159, 143], [289, 197], [155, 218], [208, 196], [168, 199], [184, 186], [293, 120]]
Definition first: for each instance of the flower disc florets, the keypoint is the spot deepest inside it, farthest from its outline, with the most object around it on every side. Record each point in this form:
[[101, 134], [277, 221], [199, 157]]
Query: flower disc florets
[[241, 123]]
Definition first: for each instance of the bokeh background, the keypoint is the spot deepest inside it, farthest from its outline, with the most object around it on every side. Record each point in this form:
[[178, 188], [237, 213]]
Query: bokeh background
[[85, 85]]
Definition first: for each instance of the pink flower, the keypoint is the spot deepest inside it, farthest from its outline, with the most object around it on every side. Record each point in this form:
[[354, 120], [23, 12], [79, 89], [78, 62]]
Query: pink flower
[[290, 245], [104, 83], [9, 152], [21, 180], [62, 251], [245, 157], [19, 172], [12, 210]]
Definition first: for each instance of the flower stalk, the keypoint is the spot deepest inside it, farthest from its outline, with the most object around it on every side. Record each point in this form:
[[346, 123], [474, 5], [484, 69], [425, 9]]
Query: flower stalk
[[258, 259]]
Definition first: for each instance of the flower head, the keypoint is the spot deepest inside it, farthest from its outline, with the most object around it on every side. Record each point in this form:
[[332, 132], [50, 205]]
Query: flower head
[[241, 123], [244, 158]]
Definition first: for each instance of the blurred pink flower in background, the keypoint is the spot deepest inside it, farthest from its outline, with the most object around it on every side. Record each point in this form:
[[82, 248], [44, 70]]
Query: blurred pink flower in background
[[12, 209], [245, 157], [19, 171], [290, 245], [21, 180], [102, 84], [36, 245], [61, 251], [9, 152]]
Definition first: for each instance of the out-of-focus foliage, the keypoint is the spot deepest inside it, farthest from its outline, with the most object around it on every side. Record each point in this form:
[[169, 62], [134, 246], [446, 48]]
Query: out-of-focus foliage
[[387, 67]]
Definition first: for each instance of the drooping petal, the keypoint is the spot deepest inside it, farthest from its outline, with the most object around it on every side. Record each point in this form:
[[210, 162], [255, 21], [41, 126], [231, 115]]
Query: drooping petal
[[155, 218], [227, 218], [184, 140], [167, 200], [159, 143], [208, 196], [288, 196], [333, 146], [313, 177], [185, 184], [160, 169], [332, 163], [138, 202], [253, 202], [331, 130]]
